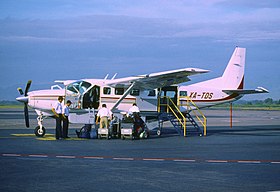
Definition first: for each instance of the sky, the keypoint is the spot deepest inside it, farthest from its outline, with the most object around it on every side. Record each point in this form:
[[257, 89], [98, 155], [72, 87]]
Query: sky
[[67, 39]]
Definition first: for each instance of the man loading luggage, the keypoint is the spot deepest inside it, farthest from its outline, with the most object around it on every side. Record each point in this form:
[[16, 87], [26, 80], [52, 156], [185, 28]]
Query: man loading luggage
[[138, 123], [133, 109], [104, 114]]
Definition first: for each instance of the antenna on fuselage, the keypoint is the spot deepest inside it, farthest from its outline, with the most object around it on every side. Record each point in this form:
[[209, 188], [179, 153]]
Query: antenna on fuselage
[[106, 77], [114, 76]]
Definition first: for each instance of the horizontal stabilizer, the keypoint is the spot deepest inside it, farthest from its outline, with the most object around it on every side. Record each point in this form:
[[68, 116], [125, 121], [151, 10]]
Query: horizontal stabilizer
[[244, 91]]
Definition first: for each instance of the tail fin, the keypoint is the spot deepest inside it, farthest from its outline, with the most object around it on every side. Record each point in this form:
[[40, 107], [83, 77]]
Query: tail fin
[[233, 77], [232, 80]]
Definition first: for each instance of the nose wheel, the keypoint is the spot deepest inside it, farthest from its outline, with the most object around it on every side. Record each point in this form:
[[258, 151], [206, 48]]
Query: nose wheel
[[40, 131]]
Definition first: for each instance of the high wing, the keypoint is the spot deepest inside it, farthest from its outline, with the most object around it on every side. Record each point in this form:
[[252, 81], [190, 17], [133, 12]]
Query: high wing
[[157, 80], [153, 80], [246, 91]]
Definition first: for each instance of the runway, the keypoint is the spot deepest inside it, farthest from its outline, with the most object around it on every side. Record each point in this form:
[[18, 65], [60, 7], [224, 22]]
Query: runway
[[243, 158]]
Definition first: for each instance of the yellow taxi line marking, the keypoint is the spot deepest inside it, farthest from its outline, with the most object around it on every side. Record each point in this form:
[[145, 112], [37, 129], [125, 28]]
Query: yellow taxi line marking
[[28, 135], [53, 138]]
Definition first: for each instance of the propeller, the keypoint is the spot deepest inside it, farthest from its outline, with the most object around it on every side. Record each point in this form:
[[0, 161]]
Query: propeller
[[26, 115], [27, 87], [20, 91], [24, 99]]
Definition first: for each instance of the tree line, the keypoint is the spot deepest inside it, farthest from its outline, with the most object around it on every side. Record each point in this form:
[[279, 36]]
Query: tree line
[[267, 101]]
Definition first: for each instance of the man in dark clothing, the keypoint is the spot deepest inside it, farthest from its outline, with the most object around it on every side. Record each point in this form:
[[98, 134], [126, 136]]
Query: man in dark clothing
[[65, 114], [57, 111]]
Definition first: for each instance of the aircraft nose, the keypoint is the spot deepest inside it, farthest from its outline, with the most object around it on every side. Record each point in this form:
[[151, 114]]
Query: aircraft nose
[[22, 99]]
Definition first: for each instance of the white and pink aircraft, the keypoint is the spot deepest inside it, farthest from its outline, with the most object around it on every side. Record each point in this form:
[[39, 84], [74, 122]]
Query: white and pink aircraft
[[87, 95]]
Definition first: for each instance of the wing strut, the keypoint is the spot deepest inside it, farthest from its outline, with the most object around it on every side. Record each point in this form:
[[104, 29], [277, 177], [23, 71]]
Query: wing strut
[[123, 96]]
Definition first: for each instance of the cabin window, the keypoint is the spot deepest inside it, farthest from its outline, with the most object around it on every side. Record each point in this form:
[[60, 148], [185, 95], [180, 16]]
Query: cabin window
[[183, 93], [149, 93], [119, 91], [152, 93], [106, 90], [170, 94], [135, 92]]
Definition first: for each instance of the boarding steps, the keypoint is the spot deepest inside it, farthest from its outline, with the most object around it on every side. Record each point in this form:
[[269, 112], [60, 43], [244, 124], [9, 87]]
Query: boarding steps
[[184, 123]]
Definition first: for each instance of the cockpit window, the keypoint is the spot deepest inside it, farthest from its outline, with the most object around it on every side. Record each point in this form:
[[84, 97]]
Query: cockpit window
[[78, 87], [72, 88]]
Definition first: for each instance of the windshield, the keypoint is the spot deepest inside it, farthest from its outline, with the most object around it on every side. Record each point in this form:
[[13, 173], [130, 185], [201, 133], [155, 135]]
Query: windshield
[[78, 87]]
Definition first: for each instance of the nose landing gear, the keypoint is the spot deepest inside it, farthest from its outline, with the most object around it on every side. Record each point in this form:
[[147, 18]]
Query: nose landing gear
[[40, 130]]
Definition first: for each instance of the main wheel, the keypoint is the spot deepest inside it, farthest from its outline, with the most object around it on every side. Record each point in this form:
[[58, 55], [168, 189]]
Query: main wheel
[[146, 135], [108, 137], [159, 132], [40, 132]]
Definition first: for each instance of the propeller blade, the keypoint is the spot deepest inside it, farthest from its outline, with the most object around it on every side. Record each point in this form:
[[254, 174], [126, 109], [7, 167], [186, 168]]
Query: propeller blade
[[26, 116], [27, 87], [20, 91]]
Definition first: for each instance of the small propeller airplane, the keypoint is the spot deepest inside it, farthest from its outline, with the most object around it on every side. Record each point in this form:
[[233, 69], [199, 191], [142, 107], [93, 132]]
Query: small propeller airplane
[[87, 95]]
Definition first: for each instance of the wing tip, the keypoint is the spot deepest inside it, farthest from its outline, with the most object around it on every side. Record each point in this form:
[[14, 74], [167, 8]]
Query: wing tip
[[261, 89]]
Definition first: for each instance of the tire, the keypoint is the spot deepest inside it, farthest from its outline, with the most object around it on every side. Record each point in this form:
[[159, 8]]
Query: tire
[[146, 135], [38, 132], [159, 132]]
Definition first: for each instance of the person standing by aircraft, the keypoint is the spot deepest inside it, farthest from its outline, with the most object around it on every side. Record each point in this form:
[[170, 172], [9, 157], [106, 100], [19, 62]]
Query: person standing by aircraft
[[134, 109], [57, 111], [138, 123], [104, 114], [65, 114]]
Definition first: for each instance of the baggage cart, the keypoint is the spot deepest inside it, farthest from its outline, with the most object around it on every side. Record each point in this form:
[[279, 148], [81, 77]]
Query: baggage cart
[[104, 133]]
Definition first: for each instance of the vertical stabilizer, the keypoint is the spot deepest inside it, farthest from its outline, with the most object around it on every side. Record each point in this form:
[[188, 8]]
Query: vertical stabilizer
[[233, 77]]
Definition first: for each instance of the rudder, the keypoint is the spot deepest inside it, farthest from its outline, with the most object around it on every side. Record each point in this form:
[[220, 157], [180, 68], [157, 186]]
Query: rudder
[[233, 76]]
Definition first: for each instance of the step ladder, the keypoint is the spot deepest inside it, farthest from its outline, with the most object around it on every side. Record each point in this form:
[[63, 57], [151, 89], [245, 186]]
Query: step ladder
[[185, 123]]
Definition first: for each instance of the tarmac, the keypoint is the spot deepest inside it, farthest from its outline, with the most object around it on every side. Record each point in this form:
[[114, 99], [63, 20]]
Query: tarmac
[[245, 157]]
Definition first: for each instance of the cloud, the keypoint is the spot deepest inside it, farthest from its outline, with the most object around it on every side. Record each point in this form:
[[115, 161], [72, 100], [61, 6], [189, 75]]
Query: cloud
[[249, 4], [92, 21], [89, 36], [95, 28]]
